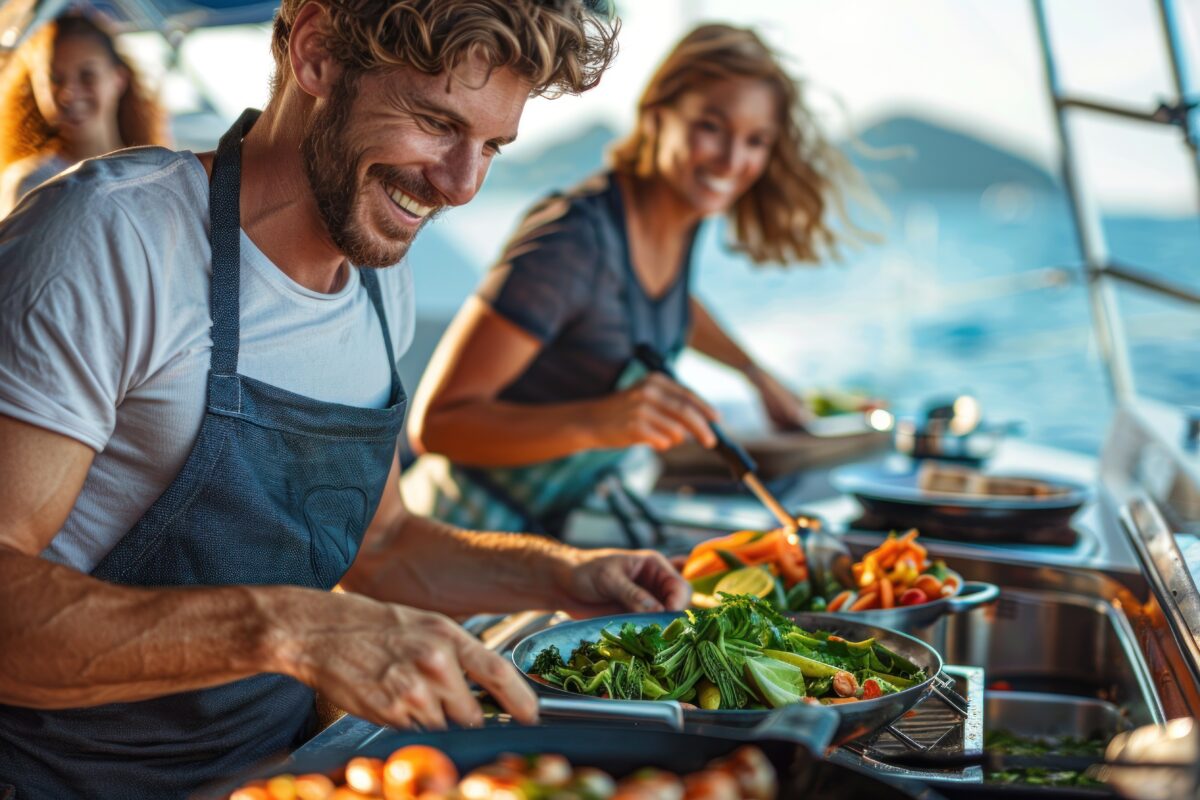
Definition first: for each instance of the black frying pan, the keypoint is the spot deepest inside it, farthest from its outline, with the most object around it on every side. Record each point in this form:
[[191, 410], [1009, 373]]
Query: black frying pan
[[854, 719]]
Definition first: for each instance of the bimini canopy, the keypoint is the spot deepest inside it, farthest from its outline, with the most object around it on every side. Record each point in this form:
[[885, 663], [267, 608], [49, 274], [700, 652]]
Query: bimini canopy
[[172, 18]]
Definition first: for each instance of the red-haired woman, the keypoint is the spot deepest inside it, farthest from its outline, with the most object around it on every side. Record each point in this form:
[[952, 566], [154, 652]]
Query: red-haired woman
[[68, 95]]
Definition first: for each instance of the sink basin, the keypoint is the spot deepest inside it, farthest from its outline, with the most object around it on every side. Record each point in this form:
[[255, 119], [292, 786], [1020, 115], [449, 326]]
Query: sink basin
[[1033, 715]]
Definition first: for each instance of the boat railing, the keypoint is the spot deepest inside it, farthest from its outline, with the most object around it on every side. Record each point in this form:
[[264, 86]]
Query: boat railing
[[1103, 273]]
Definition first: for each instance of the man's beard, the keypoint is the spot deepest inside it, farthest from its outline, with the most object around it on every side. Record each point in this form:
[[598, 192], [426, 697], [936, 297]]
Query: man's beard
[[332, 169]]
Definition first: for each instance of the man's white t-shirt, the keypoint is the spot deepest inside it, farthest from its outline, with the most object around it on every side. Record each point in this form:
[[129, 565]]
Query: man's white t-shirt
[[104, 330]]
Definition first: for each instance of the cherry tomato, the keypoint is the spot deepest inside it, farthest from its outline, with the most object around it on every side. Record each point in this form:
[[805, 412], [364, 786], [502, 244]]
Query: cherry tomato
[[913, 597], [416, 769]]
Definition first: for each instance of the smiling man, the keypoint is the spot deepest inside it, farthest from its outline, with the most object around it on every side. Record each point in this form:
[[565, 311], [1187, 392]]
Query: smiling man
[[199, 407]]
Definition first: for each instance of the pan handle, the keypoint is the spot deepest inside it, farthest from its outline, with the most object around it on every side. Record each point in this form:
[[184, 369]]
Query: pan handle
[[669, 714], [943, 687], [973, 595], [800, 723]]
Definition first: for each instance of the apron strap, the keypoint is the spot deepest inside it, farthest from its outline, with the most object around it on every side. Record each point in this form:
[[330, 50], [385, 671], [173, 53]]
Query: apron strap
[[224, 236], [370, 282]]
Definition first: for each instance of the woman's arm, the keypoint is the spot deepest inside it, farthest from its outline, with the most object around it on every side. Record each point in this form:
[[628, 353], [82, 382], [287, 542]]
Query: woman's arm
[[708, 337], [783, 407], [456, 411]]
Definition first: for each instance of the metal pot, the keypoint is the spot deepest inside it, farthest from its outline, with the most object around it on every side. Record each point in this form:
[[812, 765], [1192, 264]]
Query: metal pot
[[911, 619]]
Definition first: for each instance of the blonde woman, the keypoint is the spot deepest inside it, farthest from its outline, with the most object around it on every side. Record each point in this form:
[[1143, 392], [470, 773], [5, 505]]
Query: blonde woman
[[68, 95], [533, 394]]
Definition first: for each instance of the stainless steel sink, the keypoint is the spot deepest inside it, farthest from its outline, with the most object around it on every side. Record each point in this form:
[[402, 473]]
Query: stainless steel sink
[[1049, 717], [1054, 629]]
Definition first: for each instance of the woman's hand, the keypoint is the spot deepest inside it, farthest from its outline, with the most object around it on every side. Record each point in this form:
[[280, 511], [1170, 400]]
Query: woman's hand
[[784, 408], [597, 582], [656, 411]]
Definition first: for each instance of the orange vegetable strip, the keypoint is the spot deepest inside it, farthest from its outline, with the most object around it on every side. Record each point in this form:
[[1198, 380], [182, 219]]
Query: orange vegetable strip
[[840, 600], [928, 584], [791, 562], [865, 601], [886, 596], [706, 564], [723, 542], [764, 547]]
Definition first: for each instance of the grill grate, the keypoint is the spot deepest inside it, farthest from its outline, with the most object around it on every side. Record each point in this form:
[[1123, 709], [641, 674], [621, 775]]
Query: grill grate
[[937, 726]]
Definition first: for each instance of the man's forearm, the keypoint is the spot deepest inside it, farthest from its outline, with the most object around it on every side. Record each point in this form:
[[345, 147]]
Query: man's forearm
[[429, 564], [70, 640]]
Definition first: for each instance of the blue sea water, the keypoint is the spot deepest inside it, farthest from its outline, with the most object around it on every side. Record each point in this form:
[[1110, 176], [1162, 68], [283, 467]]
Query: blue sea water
[[973, 293], [978, 292]]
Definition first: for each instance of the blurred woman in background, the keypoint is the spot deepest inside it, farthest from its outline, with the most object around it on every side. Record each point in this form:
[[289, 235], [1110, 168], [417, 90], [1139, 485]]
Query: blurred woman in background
[[67, 95], [534, 394]]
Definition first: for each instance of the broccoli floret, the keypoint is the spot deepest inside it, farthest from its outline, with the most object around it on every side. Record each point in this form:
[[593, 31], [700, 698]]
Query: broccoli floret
[[547, 662]]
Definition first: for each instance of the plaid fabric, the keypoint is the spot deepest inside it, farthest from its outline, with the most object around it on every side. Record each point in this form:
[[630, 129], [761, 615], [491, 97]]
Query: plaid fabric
[[512, 498], [533, 495]]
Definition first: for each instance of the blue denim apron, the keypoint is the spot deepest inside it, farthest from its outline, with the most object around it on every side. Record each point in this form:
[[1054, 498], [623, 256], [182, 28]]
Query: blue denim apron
[[278, 489], [538, 497]]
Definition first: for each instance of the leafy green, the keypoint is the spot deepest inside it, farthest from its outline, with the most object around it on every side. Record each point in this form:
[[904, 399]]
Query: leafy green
[[1003, 741], [549, 660], [752, 654]]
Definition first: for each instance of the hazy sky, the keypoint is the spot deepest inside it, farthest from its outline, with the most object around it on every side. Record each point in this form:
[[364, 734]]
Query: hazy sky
[[972, 64]]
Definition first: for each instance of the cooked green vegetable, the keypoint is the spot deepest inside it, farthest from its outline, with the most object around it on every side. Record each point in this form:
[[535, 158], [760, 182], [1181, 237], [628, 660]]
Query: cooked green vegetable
[[741, 654], [1005, 742]]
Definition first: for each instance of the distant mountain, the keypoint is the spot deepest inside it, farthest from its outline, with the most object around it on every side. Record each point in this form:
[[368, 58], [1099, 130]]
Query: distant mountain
[[932, 157], [559, 165], [920, 155]]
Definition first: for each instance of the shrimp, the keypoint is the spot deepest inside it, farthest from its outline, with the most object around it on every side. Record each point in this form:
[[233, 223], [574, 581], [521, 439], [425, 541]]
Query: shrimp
[[845, 684]]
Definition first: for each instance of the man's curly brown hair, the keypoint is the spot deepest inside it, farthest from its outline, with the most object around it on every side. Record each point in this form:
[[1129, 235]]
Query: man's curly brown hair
[[558, 46]]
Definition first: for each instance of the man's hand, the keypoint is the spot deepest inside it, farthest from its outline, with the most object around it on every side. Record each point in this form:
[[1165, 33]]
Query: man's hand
[[393, 665], [597, 582]]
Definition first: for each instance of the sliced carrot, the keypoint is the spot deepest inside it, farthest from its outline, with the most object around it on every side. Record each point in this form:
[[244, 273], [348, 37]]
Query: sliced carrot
[[762, 548], [790, 560], [840, 600], [886, 597], [865, 601], [725, 542], [708, 563], [928, 584]]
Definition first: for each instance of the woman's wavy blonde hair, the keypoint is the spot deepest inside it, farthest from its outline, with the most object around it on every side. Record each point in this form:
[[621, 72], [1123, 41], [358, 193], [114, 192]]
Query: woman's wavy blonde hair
[[785, 216], [25, 132], [559, 46]]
